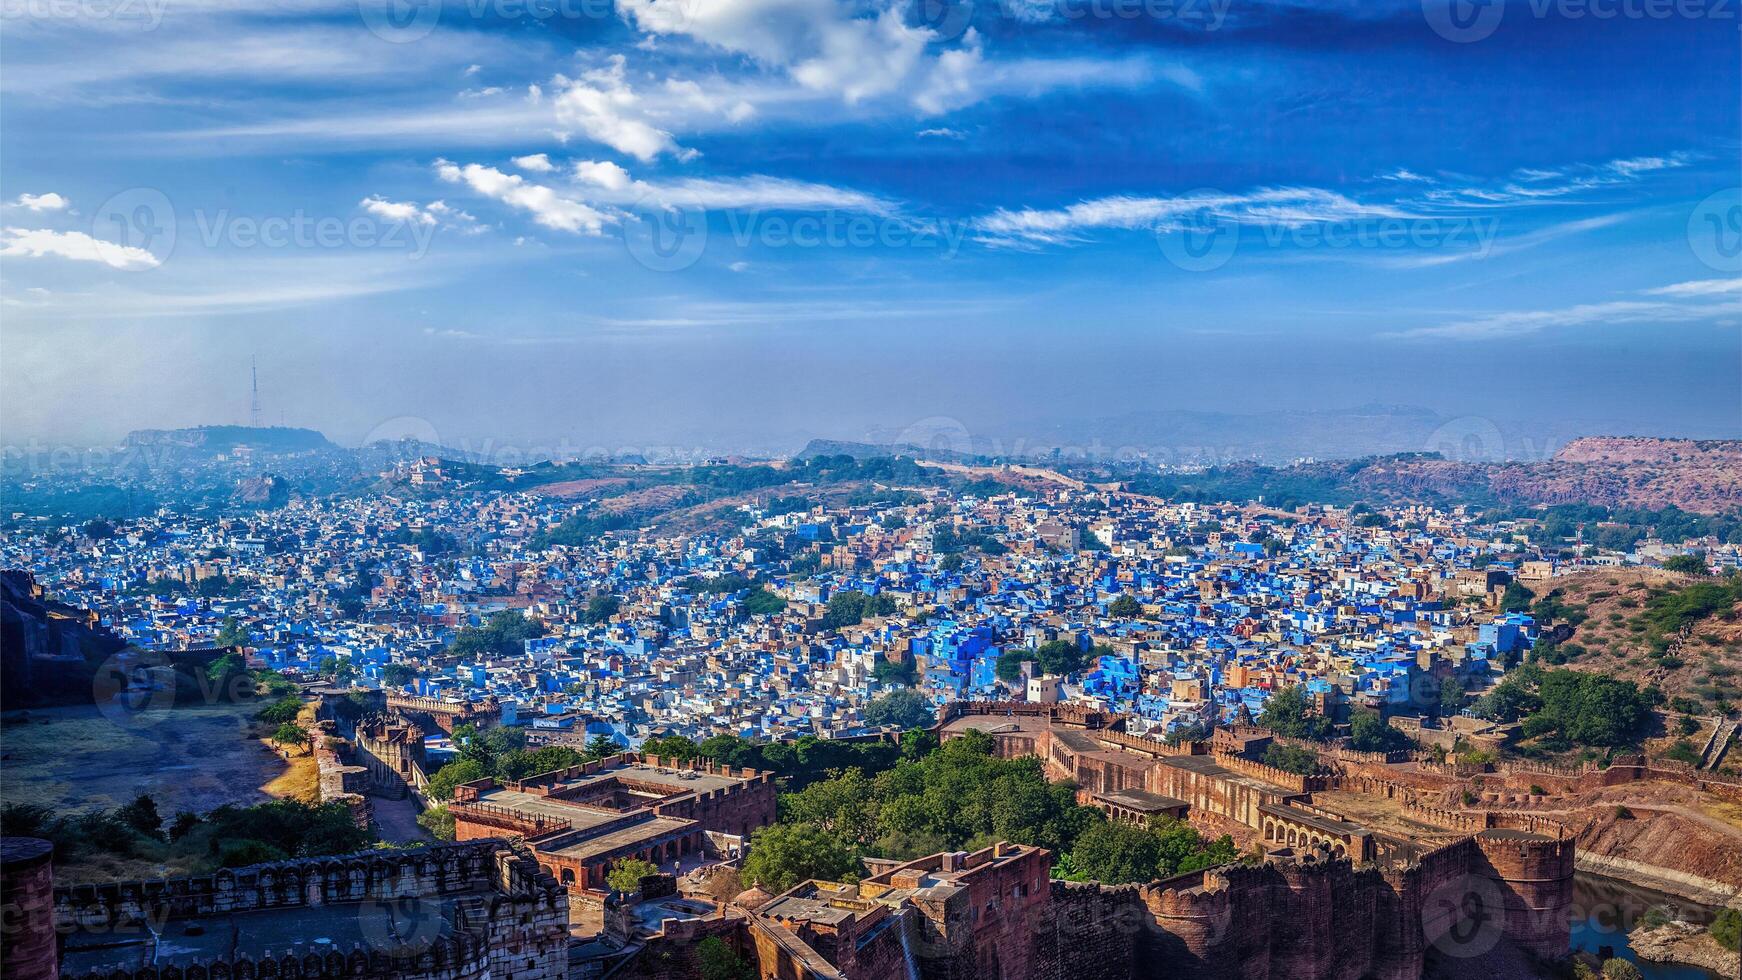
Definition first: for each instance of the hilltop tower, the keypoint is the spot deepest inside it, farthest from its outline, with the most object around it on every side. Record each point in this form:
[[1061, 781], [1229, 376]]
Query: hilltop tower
[[254, 392]]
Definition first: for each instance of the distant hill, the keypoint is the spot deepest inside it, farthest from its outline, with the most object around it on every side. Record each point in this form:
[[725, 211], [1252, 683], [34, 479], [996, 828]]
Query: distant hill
[[215, 439], [867, 450], [1702, 476]]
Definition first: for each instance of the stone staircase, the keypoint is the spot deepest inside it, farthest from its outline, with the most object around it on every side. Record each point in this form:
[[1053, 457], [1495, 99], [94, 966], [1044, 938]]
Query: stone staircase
[[1719, 746]]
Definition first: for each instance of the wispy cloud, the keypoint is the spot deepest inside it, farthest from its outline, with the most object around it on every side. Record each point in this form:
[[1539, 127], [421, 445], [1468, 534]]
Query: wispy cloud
[[1529, 186], [1699, 287], [599, 191], [1519, 323], [1277, 206]]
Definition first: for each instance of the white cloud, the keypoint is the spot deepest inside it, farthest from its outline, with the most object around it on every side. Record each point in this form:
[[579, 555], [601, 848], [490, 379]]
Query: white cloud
[[537, 163], [544, 204], [75, 245], [1277, 206], [601, 189], [608, 183], [942, 132], [603, 106], [42, 202], [403, 211], [602, 173], [1699, 287], [827, 46]]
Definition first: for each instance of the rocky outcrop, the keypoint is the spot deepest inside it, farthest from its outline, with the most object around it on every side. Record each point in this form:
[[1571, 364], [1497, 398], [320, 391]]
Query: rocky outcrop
[[266, 490], [49, 651], [1680, 942]]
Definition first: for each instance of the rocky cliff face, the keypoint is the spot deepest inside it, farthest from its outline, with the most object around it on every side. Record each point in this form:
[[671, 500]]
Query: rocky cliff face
[[49, 651], [1699, 476]]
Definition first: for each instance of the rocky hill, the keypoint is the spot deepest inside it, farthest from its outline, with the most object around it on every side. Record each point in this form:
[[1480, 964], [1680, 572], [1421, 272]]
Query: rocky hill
[[215, 439], [1703, 477]]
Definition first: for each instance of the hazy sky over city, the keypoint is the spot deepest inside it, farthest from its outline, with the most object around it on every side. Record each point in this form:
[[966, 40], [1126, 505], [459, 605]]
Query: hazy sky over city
[[749, 222]]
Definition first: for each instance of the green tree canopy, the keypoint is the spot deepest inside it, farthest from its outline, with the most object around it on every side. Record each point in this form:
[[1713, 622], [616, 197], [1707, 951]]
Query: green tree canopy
[[1289, 712], [903, 708], [1125, 607], [783, 855], [626, 875]]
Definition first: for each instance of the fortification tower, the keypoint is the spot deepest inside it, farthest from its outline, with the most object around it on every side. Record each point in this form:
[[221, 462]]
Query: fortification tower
[[28, 951], [1535, 878]]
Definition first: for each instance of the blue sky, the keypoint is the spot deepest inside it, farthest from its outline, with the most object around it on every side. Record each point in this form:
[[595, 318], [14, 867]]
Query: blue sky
[[747, 222]]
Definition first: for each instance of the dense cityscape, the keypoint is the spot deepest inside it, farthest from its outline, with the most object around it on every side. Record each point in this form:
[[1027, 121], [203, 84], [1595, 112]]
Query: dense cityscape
[[737, 713]]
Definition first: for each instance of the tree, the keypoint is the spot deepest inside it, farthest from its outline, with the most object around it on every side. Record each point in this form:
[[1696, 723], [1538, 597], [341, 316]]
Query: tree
[[602, 746], [762, 602], [1689, 564], [142, 816], [1727, 928], [1288, 712], [398, 675], [1116, 854], [1370, 733], [1009, 666], [901, 671], [1060, 657], [1451, 697], [602, 607], [439, 821], [627, 874], [224, 666], [903, 708], [291, 735], [852, 607], [504, 635], [716, 961], [783, 855], [1620, 969], [232, 633], [1516, 598], [280, 711], [671, 747], [1182, 734], [1288, 758], [1125, 607], [441, 785]]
